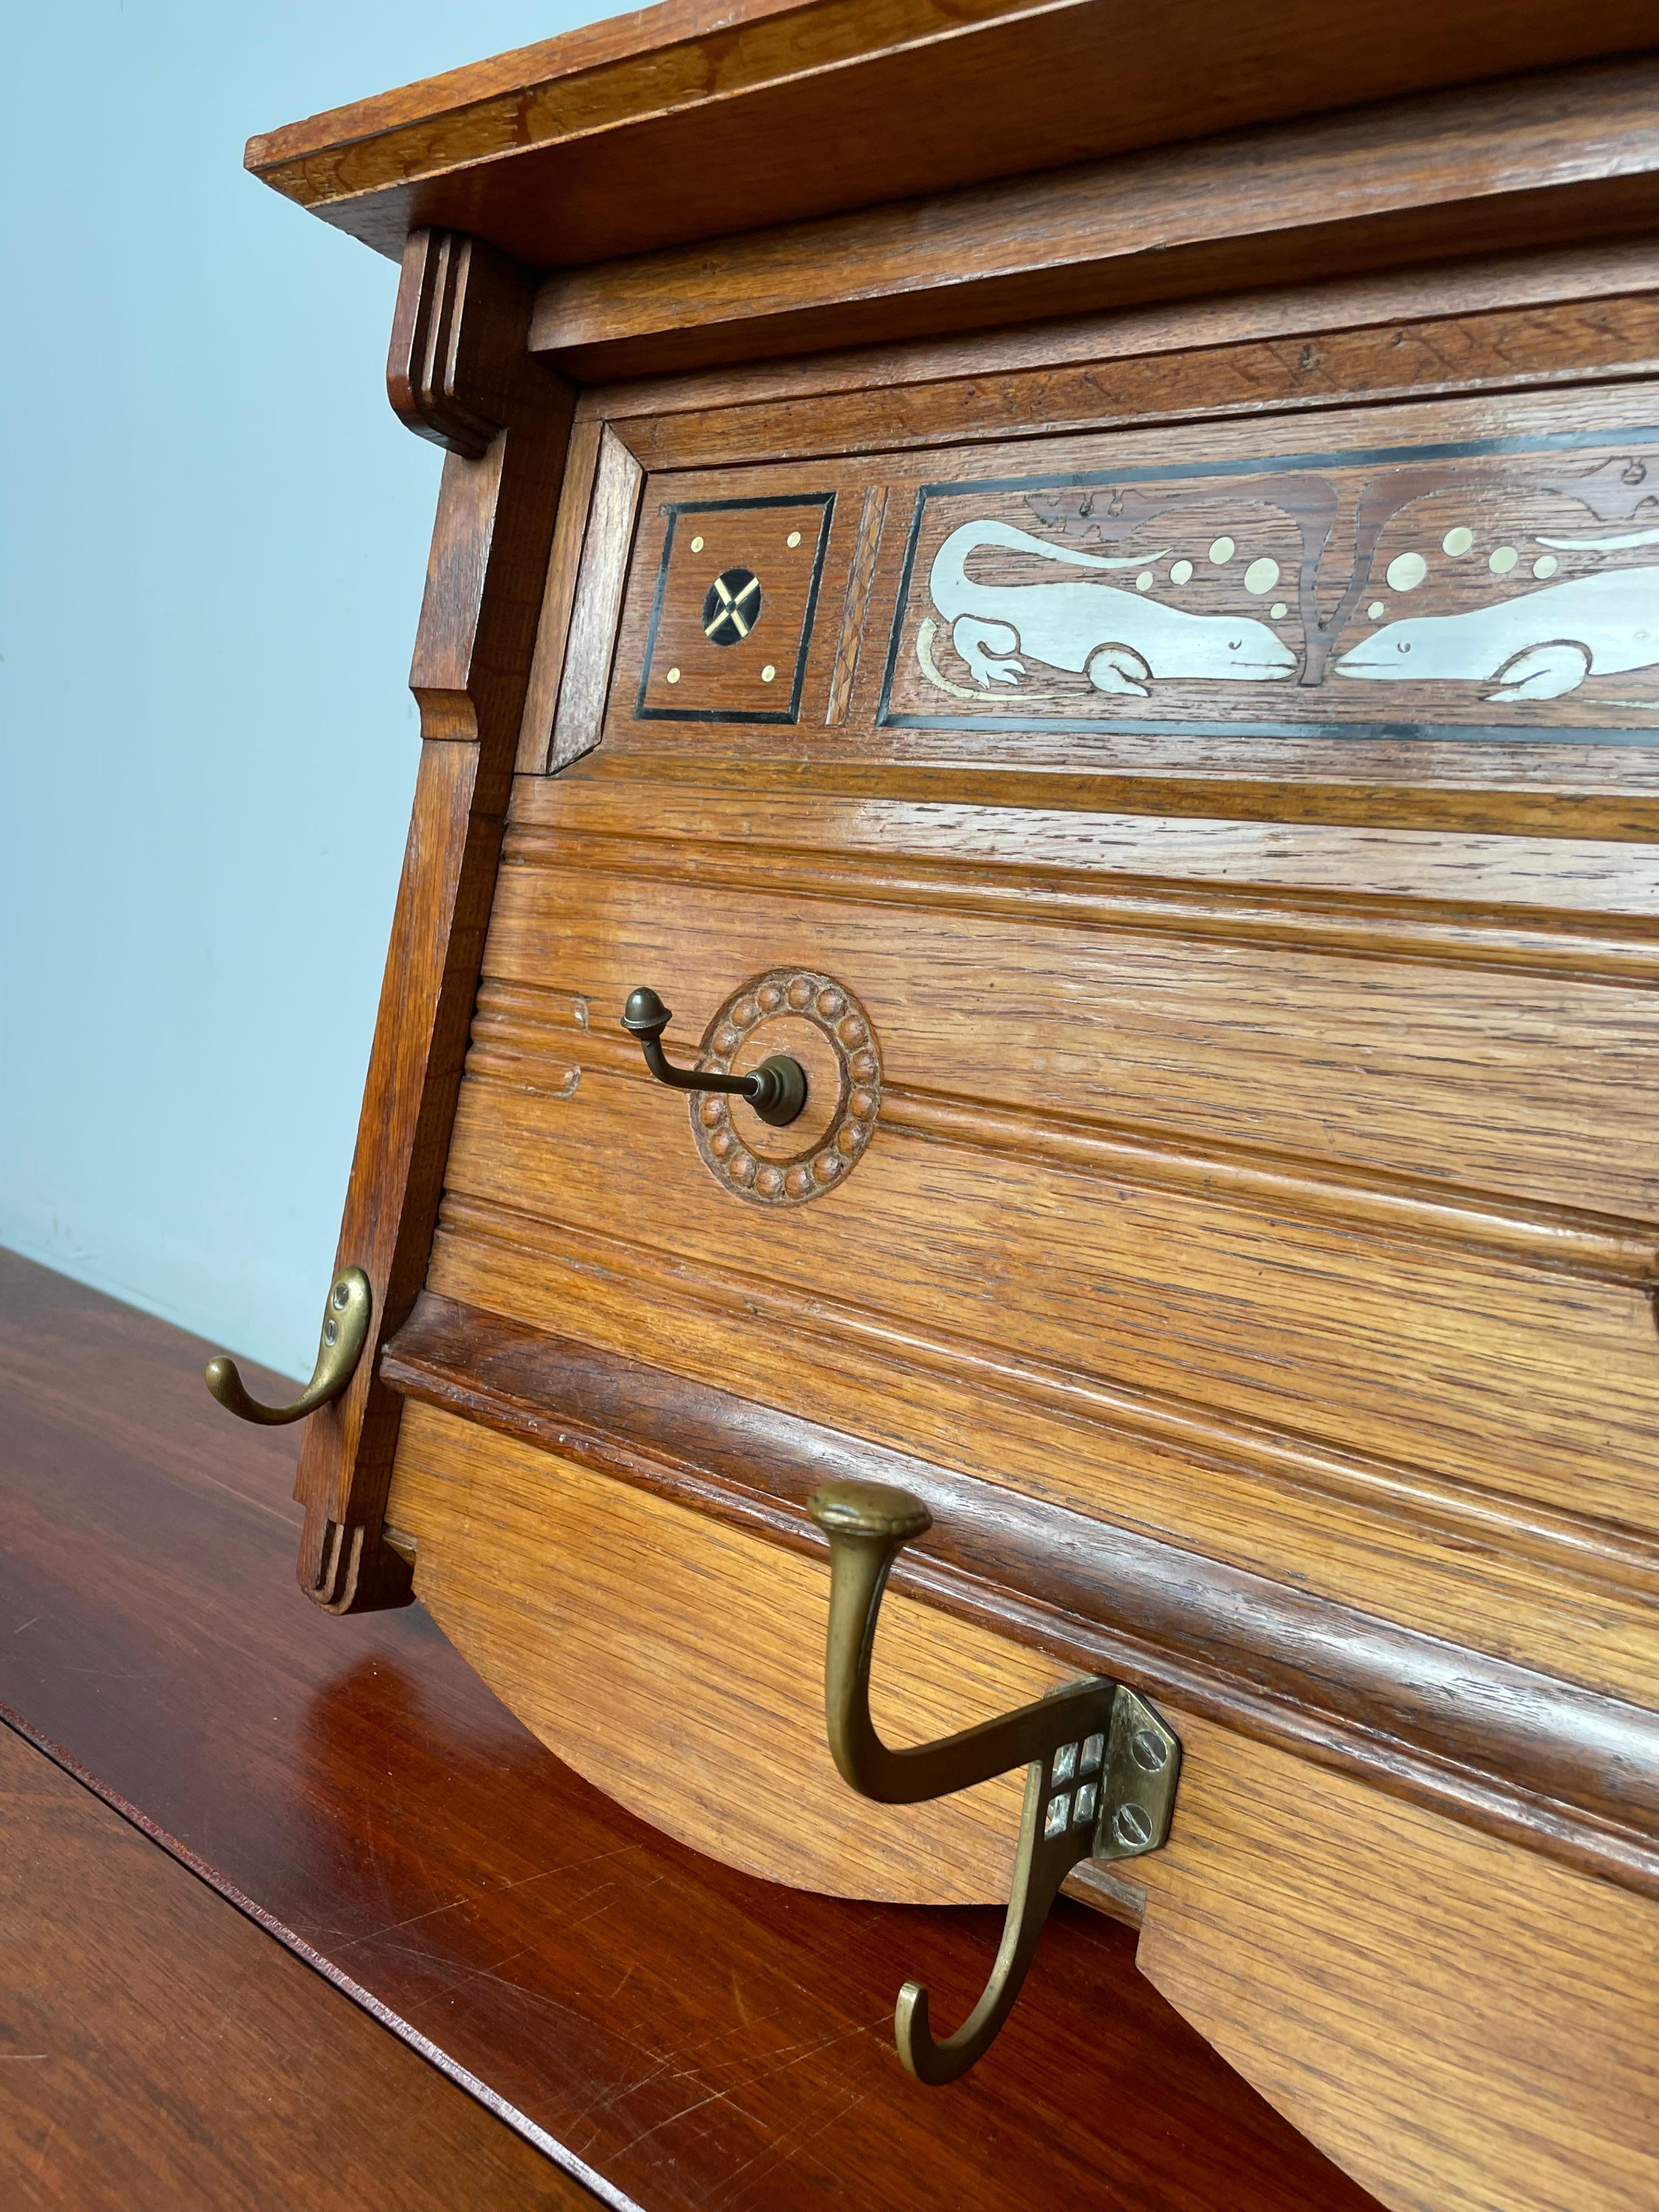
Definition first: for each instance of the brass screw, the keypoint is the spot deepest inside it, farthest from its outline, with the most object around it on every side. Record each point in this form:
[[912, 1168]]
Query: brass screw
[[1148, 1750], [1131, 1826]]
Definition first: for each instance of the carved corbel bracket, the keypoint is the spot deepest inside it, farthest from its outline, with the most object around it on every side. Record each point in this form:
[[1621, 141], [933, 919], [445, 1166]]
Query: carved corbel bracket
[[459, 339]]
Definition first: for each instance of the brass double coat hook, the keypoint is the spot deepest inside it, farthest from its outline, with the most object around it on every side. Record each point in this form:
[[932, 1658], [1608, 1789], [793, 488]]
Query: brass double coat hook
[[1101, 1767]]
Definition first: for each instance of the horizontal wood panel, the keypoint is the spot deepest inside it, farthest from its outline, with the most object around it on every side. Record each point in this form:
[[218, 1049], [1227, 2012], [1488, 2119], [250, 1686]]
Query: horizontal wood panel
[[1271, 1867], [1474, 2027], [1536, 1386], [1359, 493], [1506, 166], [1577, 874], [1296, 349], [1442, 1071], [542, 1573], [1556, 1591], [1517, 1752]]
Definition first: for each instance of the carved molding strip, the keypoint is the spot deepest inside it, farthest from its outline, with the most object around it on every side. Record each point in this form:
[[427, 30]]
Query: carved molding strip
[[1498, 1747], [1621, 1559], [530, 1040], [1504, 939]]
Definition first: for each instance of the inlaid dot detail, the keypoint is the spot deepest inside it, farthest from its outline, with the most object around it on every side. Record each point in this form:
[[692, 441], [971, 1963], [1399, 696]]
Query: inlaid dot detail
[[793, 539], [1406, 571]]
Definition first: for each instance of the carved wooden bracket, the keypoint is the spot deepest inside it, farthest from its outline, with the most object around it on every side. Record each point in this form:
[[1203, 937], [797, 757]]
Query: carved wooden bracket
[[459, 339]]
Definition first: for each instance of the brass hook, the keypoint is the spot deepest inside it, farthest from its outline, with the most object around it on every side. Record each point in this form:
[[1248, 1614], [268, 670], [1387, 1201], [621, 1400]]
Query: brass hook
[[1101, 1767], [776, 1089], [345, 1332]]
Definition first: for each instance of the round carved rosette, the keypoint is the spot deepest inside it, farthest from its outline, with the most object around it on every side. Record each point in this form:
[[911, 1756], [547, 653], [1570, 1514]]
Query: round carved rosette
[[818, 1022]]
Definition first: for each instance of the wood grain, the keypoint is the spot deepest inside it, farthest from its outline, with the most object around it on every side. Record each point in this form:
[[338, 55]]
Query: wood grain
[[1534, 163], [1564, 306], [1465, 2028], [704, 2040], [559, 152], [612, 1588], [1470, 2026], [607, 543], [1515, 1752], [489, 552], [162, 2052], [541, 697]]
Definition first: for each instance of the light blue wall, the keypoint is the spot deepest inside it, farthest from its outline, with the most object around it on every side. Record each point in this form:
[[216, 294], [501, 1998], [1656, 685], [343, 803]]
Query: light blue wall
[[212, 536]]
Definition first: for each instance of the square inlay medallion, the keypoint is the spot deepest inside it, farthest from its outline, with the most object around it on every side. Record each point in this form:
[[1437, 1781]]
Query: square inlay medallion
[[737, 591]]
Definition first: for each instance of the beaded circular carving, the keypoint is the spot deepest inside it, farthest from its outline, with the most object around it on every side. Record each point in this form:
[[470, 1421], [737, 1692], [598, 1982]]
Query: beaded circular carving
[[784, 996]]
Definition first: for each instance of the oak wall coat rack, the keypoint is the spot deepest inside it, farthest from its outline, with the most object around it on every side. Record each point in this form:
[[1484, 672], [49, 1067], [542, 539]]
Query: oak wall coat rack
[[1090, 579]]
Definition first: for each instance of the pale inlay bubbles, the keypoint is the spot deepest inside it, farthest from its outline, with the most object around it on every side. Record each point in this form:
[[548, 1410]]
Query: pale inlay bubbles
[[1279, 611], [1406, 571], [1143, 580], [1457, 542], [793, 539], [1180, 572], [1261, 576], [1222, 551], [1501, 559], [1545, 565], [1375, 611], [767, 673], [673, 675], [696, 544]]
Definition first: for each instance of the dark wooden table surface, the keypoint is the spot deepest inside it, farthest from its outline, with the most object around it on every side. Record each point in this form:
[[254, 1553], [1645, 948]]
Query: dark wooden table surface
[[679, 2034], [157, 2049]]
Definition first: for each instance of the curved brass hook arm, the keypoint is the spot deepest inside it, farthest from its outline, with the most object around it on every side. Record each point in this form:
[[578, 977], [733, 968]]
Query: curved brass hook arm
[[1101, 1767], [1041, 1866], [868, 1524], [344, 1332], [776, 1089]]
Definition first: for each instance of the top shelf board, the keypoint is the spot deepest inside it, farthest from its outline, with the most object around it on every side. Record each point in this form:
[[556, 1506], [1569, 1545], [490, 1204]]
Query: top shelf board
[[682, 122]]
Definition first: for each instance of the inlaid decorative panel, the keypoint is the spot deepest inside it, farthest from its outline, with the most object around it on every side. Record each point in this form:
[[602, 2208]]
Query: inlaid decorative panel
[[1498, 587], [737, 589]]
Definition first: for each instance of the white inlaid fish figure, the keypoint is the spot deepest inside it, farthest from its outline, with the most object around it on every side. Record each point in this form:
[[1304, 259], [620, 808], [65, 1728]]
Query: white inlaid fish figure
[[1124, 639], [1538, 645]]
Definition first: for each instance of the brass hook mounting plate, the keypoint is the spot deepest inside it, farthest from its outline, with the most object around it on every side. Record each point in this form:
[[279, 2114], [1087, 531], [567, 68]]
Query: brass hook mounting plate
[[789, 997], [339, 1347]]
